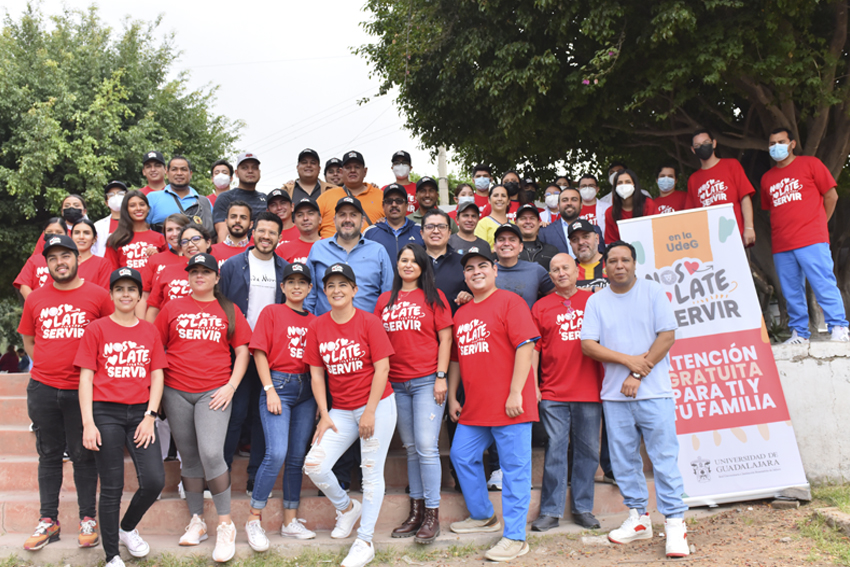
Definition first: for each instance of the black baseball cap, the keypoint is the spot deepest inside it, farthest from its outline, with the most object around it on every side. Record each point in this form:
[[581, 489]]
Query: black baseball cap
[[508, 227], [426, 181], [113, 184], [528, 207], [530, 181], [342, 270], [309, 153], [467, 204], [307, 203], [476, 251], [278, 194], [153, 156], [579, 225], [353, 156], [125, 274], [58, 241], [349, 201], [395, 188], [205, 260], [403, 156], [333, 162], [297, 268]]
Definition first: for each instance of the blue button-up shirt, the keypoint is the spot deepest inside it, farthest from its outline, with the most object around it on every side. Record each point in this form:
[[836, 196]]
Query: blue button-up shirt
[[372, 268], [163, 205]]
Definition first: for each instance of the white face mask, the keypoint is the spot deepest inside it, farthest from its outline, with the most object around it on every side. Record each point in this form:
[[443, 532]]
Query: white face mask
[[552, 201], [612, 176], [587, 193], [221, 180], [114, 202], [625, 191], [401, 170], [465, 199], [482, 183]]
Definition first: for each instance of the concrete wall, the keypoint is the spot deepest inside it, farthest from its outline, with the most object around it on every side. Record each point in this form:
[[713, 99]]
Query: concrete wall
[[816, 381]]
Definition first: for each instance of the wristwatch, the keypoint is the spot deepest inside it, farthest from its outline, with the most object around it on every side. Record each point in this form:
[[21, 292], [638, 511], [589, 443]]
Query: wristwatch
[[267, 388], [637, 376], [151, 413], [441, 375]]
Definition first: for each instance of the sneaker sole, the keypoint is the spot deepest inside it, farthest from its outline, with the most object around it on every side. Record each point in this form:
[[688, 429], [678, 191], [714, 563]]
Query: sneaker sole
[[95, 543], [225, 560], [482, 530], [645, 535], [299, 536], [678, 554], [136, 554], [259, 549], [51, 539], [524, 550], [193, 543]]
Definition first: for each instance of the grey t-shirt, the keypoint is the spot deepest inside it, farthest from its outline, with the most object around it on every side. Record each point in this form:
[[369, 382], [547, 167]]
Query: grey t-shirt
[[256, 200], [461, 246], [527, 279]]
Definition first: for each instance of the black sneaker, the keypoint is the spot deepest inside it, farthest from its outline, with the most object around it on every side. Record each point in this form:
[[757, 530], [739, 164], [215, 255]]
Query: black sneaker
[[544, 523], [586, 520]]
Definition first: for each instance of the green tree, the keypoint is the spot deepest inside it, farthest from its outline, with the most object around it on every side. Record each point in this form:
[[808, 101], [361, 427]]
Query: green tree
[[80, 103]]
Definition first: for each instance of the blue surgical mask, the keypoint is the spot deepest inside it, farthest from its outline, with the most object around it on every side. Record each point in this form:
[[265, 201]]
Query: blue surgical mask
[[666, 183], [465, 199], [482, 183], [779, 151]]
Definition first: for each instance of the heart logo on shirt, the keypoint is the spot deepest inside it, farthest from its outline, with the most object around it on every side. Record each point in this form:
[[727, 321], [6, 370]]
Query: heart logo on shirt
[[183, 323], [295, 341], [175, 290], [112, 360], [326, 358], [691, 267], [725, 228], [669, 297], [47, 323]]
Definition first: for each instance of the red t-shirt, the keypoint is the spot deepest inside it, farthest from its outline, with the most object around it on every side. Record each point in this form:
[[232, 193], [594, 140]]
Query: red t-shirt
[[58, 320], [156, 264], [566, 375], [612, 231], [483, 202], [726, 182], [171, 283], [35, 274], [412, 203], [347, 352], [147, 190], [223, 252], [289, 234], [281, 333], [212, 197], [133, 254], [512, 209], [675, 201], [487, 335], [295, 251], [194, 334], [794, 197], [122, 359], [413, 329], [588, 213]]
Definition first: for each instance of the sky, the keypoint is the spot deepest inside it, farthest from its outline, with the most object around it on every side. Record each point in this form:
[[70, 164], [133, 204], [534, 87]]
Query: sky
[[285, 69]]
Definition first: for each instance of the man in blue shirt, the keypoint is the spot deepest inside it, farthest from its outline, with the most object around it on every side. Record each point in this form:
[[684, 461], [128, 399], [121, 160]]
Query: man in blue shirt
[[529, 280], [629, 327], [368, 259], [396, 231], [179, 197]]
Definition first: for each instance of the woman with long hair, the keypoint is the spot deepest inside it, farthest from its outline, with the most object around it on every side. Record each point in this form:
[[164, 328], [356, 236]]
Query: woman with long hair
[[121, 360], [497, 216], [171, 282], [133, 242], [627, 201], [172, 226], [198, 332], [34, 274], [418, 320], [353, 348], [91, 268]]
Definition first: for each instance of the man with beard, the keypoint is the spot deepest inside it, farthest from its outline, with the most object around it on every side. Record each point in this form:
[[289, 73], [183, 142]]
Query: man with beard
[[238, 222], [369, 260], [307, 220], [179, 197], [248, 173], [397, 230], [585, 243], [427, 195], [569, 203], [52, 325], [252, 281]]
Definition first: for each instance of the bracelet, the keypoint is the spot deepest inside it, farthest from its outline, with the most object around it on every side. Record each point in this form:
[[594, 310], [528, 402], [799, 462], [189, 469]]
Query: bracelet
[[231, 385], [748, 228]]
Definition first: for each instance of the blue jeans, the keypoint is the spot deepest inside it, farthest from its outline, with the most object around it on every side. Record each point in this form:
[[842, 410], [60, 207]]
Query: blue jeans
[[419, 422], [287, 438], [514, 443], [565, 421], [654, 419], [813, 263]]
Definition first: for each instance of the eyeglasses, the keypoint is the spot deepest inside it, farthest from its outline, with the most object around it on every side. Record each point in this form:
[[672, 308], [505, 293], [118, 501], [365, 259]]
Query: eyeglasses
[[588, 186], [115, 194], [432, 227], [193, 240], [394, 201]]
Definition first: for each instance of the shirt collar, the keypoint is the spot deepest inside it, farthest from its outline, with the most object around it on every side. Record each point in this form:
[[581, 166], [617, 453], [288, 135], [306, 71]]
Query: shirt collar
[[192, 192]]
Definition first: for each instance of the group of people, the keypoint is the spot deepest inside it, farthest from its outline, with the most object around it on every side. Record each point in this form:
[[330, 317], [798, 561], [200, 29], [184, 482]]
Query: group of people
[[325, 315]]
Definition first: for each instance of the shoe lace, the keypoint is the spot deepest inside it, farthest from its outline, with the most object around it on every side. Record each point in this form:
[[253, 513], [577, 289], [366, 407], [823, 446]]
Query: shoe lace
[[134, 537], [359, 546], [195, 523], [87, 527], [254, 528], [297, 525], [42, 527], [504, 543], [630, 523], [224, 534]]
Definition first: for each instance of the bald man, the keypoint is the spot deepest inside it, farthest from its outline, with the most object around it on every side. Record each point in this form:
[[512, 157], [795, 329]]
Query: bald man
[[568, 391]]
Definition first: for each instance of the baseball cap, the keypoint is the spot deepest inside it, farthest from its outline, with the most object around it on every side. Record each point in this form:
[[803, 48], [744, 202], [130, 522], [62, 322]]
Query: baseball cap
[[205, 260], [349, 201], [353, 156], [306, 203], [297, 268], [579, 225], [476, 251], [426, 181], [114, 184], [467, 204], [155, 156], [403, 156], [395, 188], [125, 274], [527, 207], [342, 270], [278, 194], [59, 241], [333, 162], [309, 153], [246, 155], [530, 181], [508, 227]]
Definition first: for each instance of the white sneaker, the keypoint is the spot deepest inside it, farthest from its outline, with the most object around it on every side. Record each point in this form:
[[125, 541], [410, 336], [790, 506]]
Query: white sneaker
[[677, 538], [180, 490], [840, 334], [796, 339], [134, 543], [225, 543], [196, 532], [345, 522], [256, 536], [360, 554], [297, 530], [635, 527], [495, 482], [116, 562]]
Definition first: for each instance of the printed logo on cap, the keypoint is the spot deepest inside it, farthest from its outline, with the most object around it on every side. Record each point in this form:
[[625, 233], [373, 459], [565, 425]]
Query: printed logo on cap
[[199, 258], [297, 268], [124, 272], [351, 154], [249, 155], [473, 249], [152, 154], [54, 240], [348, 200], [337, 268], [576, 224]]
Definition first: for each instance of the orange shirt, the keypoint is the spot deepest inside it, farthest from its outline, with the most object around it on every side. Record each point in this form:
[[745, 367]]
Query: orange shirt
[[372, 201]]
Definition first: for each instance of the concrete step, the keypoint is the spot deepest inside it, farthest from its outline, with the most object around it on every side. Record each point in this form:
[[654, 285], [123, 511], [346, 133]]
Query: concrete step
[[14, 384], [17, 440], [13, 410]]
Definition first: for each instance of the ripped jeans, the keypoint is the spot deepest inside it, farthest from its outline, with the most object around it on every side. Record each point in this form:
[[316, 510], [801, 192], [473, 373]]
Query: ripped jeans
[[320, 460]]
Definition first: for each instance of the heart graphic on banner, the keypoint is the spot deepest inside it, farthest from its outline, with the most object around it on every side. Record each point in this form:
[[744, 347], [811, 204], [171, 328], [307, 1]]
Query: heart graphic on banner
[[725, 228], [691, 267], [669, 297]]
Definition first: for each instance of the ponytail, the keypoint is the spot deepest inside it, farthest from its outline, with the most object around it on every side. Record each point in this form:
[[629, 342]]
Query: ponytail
[[229, 310]]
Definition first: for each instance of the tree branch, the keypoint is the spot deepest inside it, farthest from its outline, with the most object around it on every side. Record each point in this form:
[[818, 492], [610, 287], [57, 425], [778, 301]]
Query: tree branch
[[765, 98]]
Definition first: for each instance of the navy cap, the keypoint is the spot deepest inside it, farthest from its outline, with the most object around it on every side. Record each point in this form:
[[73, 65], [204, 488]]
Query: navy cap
[[125, 274], [579, 225], [113, 185], [307, 203], [349, 201], [309, 153], [333, 162], [395, 188], [205, 260], [278, 194], [153, 156], [426, 181], [528, 207], [353, 156], [466, 205], [339, 269], [476, 251], [508, 227], [59, 241], [297, 268], [403, 156]]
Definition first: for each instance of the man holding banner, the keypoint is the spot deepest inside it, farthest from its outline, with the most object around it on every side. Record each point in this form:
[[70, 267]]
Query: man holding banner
[[637, 394]]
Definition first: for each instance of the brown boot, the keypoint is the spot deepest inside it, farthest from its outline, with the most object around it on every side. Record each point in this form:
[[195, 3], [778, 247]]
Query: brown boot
[[430, 528], [413, 521]]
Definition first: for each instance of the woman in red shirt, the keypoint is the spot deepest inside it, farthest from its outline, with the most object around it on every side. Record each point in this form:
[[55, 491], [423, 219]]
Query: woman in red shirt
[[133, 242], [198, 332], [34, 274], [171, 282], [121, 360], [92, 268], [353, 348], [627, 201], [418, 320]]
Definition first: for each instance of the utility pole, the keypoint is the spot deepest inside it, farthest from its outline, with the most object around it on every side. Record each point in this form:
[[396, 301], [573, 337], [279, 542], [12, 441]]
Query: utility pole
[[442, 179]]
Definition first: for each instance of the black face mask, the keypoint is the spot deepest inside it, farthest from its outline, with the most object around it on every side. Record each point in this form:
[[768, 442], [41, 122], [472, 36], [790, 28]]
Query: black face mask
[[531, 194], [72, 215], [704, 151], [512, 187]]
